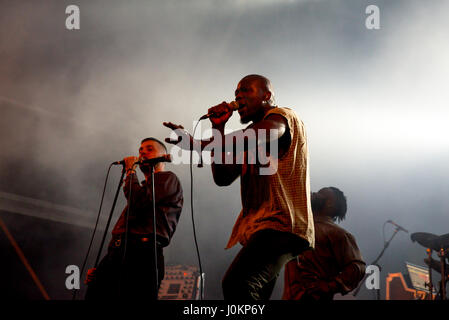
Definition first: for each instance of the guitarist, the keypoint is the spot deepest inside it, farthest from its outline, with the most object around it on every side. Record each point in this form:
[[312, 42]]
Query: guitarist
[[335, 265]]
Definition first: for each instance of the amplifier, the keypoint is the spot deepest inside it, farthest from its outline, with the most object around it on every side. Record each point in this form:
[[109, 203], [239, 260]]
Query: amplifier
[[397, 289], [180, 283]]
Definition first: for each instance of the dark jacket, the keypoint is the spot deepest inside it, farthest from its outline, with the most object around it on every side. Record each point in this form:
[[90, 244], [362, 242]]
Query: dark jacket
[[169, 201], [334, 266]]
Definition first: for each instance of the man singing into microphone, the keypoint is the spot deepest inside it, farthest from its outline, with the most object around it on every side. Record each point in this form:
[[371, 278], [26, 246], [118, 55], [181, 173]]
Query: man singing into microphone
[[128, 269], [276, 222]]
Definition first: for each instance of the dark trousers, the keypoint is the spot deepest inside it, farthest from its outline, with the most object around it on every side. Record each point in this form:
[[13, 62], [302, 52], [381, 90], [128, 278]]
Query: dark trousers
[[129, 278], [253, 273]]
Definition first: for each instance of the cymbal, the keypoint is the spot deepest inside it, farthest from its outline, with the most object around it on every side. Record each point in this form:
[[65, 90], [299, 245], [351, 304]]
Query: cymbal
[[431, 241], [443, 241], [425, 239]]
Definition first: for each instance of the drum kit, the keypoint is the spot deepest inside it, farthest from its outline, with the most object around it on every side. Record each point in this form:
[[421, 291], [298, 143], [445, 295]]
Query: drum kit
[[439, 244]]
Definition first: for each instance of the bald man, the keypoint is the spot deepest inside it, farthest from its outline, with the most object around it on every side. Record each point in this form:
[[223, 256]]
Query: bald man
[[276, 222]]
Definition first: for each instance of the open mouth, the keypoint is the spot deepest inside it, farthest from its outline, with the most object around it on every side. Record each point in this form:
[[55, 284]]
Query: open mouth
[[241, 107]]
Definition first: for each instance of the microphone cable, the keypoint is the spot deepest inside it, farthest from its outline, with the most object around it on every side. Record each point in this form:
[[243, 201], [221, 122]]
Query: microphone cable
[[95, 228], [383, 232], [125, 240], [191, 209]]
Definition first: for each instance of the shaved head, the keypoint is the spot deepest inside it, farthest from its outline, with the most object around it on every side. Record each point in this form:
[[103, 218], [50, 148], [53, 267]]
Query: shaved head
[[263, 83]]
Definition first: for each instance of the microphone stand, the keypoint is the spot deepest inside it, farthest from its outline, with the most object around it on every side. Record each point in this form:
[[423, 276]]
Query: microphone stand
[[154, 223], [110, 217], [386, 244], [442, 256], [430, 284], [154, 232]]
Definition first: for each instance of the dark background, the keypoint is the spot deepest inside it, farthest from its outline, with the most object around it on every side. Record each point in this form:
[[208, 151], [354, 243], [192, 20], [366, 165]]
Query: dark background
[[374, 103]]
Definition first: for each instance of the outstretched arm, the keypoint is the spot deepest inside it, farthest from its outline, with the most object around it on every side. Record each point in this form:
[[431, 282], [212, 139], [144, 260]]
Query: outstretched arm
[[224, 173], [225, 167]]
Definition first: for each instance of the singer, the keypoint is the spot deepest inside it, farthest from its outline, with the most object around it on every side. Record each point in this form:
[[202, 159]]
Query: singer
[[276, 222], [335, 265], [127, 271]]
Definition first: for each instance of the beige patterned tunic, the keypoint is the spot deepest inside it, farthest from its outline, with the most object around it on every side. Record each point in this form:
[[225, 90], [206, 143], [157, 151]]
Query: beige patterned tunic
[[280, 201]]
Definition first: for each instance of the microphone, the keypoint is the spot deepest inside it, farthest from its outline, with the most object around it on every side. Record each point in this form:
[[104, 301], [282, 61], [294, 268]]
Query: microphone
[[397, 226], [154, 161], [234, 106]]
